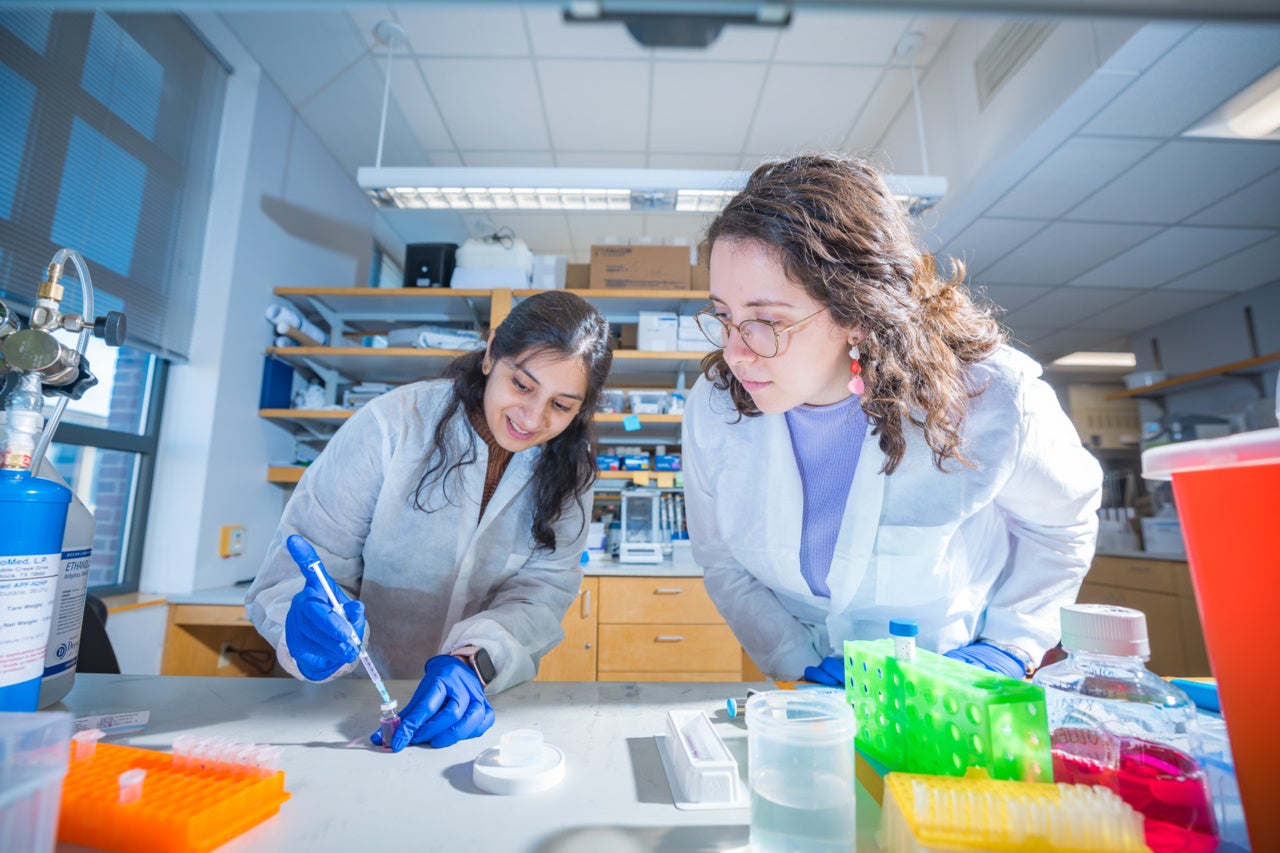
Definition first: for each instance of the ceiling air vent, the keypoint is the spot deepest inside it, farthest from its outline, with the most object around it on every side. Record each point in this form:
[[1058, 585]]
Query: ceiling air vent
[[1009, 49]]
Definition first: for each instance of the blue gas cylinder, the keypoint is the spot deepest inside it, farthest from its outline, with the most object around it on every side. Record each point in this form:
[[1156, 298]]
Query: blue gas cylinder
[[33, 513]]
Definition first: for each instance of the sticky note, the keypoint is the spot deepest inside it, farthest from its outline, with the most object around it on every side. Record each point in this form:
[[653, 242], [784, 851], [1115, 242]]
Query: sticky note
[[631, 423]]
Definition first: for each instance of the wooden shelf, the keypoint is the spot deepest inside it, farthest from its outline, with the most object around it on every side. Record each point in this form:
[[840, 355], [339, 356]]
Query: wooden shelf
[[1252, 367], [372, 309], [285, 474], [366, 364], [659, 429], [624, 306]]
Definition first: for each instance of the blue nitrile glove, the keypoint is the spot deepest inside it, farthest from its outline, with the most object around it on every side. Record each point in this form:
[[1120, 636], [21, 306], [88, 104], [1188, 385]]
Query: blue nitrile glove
[[989, 657], [829, 672], [315, 633], [448, 706]]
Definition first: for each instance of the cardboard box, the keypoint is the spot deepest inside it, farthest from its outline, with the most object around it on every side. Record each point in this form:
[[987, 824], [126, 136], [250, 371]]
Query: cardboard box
[[577, 276], [700, 274], [653, 267]]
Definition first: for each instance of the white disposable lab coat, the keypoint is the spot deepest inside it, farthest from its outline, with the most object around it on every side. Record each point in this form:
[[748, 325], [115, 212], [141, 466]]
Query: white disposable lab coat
[[430, 581], [991, 551]]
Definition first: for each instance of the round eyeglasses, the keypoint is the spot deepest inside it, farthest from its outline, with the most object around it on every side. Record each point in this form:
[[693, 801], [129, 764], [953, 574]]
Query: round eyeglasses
[[762, 337]]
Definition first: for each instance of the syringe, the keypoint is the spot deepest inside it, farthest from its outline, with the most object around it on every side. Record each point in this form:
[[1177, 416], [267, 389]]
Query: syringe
[[307, 559]]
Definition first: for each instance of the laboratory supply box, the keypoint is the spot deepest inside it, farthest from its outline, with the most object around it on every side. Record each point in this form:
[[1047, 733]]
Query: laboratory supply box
[[429, 264], [1227, 492], [1115, 724], [33, 762], [656, 332], [199, 798], [549, 272], [924, 813], [941, 716], [611, 402], [649, 267], [648, 402]]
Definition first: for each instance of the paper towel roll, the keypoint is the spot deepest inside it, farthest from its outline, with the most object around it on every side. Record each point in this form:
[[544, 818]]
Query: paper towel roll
[[285, 318]]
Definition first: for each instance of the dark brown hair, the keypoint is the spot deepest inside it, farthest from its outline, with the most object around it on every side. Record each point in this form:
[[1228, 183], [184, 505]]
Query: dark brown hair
[[840, 234]]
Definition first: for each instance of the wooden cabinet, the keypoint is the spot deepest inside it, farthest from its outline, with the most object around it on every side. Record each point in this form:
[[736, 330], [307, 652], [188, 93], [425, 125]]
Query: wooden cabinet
[[575, 658], [214, 639], [1162, 590], [646, 629]]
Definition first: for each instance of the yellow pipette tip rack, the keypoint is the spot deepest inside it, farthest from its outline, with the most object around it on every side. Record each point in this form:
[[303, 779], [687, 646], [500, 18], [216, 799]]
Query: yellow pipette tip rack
[[186, 803], [933, 814]]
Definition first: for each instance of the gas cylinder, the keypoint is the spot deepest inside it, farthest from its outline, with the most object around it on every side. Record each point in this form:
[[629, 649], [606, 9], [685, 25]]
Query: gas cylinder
[[63, 649]]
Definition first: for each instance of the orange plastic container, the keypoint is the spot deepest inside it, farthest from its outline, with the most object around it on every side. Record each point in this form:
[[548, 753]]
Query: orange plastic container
[[181, 809], [1228, 496]]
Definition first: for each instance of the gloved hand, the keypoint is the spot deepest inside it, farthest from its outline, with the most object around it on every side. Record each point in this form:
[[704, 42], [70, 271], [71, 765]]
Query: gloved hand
[[829, 672], [315, 634], [448, 706], [989, 657]]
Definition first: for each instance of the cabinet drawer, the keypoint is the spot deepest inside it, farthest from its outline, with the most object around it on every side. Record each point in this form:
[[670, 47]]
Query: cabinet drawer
[[652, 601], [668, 648], [671, 676], [1164, 623], [1153, 575]]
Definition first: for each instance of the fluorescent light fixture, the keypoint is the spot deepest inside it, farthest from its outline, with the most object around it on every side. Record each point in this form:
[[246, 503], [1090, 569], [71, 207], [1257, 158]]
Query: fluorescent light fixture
[[1097, 359], [679, 190], [1252, 114]]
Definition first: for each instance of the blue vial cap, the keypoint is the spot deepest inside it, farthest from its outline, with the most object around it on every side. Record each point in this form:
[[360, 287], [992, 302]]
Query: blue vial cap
[[584, 559], [903, 628]]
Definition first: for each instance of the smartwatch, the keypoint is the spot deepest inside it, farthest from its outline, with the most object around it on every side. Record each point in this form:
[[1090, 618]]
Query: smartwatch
[[478, 659]]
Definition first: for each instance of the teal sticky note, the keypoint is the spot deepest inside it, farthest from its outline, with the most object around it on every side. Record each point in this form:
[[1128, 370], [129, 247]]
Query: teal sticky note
[[631, 423]]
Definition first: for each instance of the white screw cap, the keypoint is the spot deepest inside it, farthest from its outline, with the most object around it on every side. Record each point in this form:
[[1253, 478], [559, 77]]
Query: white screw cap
[[1105, 629]]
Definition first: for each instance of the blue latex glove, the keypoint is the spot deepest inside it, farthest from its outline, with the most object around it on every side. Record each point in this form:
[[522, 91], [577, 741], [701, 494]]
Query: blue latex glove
[[316, 635], [989, 657], [829, 672], [448, 706]]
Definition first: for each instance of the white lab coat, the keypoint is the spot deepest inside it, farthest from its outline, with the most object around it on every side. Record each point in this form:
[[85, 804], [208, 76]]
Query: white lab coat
[[992, 551], [430, 582]]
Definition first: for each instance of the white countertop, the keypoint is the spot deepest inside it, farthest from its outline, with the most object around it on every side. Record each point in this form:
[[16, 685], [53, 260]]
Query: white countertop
[[348, 795]]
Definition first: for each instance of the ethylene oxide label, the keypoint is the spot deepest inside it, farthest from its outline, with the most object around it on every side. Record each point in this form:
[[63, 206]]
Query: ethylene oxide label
[[28, 583]]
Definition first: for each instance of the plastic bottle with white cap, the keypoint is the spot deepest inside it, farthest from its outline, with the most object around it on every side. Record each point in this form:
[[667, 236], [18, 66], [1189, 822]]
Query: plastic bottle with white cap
[[1114, 723]]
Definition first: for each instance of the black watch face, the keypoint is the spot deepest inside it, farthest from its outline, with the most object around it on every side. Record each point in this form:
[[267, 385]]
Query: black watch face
[[484, 666]]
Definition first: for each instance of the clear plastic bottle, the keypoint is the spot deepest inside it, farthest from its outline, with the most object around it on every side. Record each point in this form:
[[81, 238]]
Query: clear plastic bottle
[[1114, 723]]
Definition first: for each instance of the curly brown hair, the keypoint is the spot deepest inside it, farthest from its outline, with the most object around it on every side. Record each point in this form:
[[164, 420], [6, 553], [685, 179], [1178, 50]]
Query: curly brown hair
[[840, 234]]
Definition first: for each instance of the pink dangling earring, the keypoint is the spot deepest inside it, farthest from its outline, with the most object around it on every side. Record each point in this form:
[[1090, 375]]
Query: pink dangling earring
[[856, 385]]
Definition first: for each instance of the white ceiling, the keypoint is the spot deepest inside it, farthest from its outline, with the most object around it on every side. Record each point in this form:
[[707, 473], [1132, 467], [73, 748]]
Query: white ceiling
[[1075, 200]]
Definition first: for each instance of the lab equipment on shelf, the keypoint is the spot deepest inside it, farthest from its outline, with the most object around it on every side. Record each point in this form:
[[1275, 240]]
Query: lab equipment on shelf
[[938, 715], [976, 813], [207, 792], [641, 526], [1115, 724]]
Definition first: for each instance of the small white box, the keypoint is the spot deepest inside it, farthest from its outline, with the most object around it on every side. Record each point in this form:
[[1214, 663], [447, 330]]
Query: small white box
[[549, 272], [1163, 536], [689, 337], [705, 773], [656, 331], [488, 278]]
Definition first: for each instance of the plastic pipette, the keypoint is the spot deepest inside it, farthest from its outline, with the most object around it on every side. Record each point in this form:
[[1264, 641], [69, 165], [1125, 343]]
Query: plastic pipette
[[307, 559]]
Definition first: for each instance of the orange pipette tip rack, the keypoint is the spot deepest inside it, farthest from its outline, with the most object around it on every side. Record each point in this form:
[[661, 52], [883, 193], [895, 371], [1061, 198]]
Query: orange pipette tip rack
[[182, 808]]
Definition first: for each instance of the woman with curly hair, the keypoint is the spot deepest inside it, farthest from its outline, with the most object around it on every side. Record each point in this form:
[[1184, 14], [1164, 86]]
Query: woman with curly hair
[[865, 446]]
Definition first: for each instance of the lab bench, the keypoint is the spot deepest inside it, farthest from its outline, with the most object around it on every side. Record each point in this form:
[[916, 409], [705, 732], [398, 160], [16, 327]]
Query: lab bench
[[347, 795]]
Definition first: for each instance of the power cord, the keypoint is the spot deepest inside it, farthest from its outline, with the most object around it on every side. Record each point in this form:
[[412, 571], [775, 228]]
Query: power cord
[[260, 661]]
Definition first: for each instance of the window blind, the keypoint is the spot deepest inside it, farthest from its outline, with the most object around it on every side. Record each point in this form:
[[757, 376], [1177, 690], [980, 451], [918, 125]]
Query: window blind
[[107, 147]]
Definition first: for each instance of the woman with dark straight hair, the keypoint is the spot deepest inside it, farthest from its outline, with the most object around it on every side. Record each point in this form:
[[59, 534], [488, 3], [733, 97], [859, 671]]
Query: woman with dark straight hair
[[451, 513], [864, 446]]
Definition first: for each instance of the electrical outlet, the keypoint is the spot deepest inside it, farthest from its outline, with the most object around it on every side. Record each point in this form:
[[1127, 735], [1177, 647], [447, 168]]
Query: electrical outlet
[[231, 540], [224, 655]]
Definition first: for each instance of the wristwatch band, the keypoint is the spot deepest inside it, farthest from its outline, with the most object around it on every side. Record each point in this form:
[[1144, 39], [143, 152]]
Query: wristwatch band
[[479, 661], [1028, 665]]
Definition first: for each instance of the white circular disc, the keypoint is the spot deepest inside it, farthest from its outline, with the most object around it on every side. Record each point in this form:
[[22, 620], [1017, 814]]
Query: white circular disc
[[490, 774]]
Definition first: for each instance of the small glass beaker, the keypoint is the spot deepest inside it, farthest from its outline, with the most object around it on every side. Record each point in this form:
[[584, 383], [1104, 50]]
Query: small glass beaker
[[800, 761]]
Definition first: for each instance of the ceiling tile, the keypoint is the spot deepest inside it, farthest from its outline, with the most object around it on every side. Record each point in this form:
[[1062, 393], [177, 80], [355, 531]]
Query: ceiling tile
[[1191, 80], [301, 53], [830, 36], [809, 106], [1063, 251], [728, 162], [703, 106], [488, 103], [1010, 297], [1151, 307], [987, 240], [595, 105], [1067, 306], [1178, 180], [1245, 270], [888, 99], [736, 43], [444, 158], [1170, 254], [347, 122], [414, 103], [462, 29], [1257, 205], [1024, 335], [509, 159], [553, 37], [1059, 343], [601, 159], [1068, 175]]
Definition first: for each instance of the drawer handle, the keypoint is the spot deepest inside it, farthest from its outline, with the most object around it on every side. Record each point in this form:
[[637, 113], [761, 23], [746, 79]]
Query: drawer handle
[[668, 590], [586, 603], [670, 638]]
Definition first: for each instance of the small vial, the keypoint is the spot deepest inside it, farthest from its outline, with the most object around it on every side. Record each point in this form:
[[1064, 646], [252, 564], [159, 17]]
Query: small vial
[[182, 746], [738, 707], [131, 785], [388, 722], [85, 743], [268, 759], [904, 633]]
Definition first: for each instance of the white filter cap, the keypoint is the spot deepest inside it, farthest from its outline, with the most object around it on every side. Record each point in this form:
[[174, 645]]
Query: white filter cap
[[1105, 629], [521, 764]]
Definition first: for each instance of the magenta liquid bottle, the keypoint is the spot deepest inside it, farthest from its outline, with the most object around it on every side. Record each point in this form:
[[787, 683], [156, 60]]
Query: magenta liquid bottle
[[1114, 723]]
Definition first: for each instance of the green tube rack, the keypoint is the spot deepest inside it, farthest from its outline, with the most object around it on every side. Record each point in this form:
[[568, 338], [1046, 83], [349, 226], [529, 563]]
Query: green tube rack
[[940, 716]]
